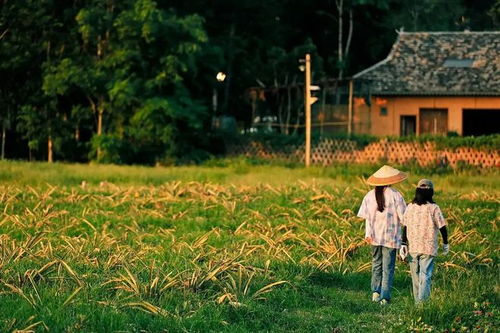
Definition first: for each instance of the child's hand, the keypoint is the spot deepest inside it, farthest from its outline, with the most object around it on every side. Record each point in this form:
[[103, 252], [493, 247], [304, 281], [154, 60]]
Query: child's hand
[[446, 249], [403, 252], [368, 240]]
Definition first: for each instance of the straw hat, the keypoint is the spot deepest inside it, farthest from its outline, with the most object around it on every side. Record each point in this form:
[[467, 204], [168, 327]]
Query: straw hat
[[386, 175]]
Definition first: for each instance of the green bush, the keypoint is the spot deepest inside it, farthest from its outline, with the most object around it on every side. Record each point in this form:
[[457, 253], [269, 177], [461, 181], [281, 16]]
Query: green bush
[[110, 148], [283, 142], [272, 140], [361, 140], [453, 142]]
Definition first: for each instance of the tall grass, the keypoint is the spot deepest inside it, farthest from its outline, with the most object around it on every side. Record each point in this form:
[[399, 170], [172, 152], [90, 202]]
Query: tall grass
[[236, 248]]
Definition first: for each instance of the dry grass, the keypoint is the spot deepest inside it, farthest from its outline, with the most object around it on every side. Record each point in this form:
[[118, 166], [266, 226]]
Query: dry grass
[[132, 248]]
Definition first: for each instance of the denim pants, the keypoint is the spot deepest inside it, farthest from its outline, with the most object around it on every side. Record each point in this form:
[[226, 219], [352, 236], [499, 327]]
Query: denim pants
[[421, 267], [383, 262]]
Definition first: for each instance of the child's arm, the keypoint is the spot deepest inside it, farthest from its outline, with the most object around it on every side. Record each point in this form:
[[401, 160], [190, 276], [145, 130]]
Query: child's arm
[[440, 223], [364, 214], [400, 206], [403, 251], [444, 234], [368, 232], [404, 239]]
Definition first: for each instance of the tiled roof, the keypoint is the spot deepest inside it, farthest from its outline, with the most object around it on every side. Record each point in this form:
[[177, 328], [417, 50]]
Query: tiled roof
[[438, 63]]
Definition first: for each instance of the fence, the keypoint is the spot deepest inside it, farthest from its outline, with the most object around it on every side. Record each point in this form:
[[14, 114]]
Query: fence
[[328, 151], [281, 109]]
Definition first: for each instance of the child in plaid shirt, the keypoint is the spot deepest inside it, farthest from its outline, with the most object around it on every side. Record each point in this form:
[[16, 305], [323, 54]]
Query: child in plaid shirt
[[383, 210]]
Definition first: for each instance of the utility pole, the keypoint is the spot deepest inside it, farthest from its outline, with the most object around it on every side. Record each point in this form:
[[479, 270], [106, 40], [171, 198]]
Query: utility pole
[[349, 118], [308, 101]]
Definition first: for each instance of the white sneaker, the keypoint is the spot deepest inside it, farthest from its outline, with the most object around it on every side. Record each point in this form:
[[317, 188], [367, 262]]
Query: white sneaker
[[375, 297], [384, 302]]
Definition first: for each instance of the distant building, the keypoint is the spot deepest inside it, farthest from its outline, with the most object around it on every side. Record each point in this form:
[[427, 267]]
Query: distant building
[[435, 83]]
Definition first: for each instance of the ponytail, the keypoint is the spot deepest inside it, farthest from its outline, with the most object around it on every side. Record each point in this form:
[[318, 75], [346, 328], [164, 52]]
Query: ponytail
[[379, 195]]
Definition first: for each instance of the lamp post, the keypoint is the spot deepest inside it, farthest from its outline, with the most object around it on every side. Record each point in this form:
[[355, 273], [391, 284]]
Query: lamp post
[[221, 76]]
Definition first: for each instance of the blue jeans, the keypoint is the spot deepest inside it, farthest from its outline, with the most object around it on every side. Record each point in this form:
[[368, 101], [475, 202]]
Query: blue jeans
[[421, 267], [383, 262]]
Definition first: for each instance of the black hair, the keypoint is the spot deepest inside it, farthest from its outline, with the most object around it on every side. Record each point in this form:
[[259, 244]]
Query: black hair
[[423, 196], [379, 195]]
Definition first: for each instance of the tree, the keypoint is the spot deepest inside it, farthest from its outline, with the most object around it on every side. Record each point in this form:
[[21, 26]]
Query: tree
[[25, 52], [92, 64], [19, 60], [426, 15], [132, 56]]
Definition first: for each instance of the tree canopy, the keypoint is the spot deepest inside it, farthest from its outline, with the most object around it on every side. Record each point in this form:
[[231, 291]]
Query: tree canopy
[[133, 81]]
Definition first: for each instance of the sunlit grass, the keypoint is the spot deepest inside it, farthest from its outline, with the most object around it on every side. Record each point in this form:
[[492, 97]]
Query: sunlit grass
[[239, 247]]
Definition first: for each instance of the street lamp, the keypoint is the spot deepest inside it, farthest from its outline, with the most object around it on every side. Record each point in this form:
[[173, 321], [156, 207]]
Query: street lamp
[[221, 76]]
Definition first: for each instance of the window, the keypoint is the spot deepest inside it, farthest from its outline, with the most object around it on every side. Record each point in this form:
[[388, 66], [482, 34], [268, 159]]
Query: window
[[408, 125], [383, 111], [458, 63]]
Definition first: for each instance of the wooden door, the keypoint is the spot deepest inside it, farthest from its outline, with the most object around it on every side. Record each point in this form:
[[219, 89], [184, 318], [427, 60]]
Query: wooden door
[[433, 121], [408, 125]]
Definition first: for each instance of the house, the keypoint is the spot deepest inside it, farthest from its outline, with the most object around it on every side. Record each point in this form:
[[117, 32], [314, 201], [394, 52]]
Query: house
[[435, 83]]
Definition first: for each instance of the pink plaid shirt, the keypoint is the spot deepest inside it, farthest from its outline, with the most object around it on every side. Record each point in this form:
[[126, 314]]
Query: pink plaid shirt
[[384, 228]]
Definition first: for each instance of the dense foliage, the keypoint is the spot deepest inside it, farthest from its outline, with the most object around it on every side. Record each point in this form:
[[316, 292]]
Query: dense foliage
[[133, 81]]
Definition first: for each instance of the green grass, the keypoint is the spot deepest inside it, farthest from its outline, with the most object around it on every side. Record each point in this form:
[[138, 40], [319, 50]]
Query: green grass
[[190, 249]]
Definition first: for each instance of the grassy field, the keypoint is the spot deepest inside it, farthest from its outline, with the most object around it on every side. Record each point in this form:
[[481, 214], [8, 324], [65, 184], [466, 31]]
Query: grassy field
[[230, 247]]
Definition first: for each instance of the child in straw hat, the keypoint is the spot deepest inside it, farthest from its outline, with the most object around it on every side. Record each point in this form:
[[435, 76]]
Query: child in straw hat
[[383, 209], [421, 222]]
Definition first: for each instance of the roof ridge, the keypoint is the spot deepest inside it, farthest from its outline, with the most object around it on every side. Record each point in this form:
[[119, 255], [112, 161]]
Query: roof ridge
[[446, 32]]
